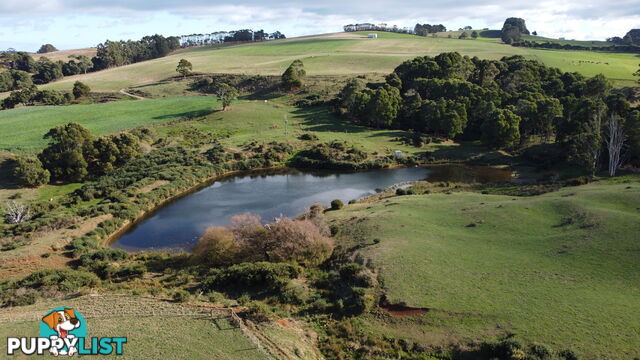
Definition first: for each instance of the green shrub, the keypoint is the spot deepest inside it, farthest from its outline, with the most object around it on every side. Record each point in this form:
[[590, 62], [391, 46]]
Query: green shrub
[[263, 276], [258, 311], [108, 254], [83, 245], [308, 137], [63, 280], [28, 298], [80, 89], [568, 355], [539, 352], [30, 172], [337, 204], [181, 296]]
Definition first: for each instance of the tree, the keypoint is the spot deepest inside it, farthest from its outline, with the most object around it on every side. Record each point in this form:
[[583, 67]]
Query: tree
[[293, 76], [217, 247], [582, 138], [383, 107], [464, 35], [46, 48], [501, 129], [47, 71], [535, 33], [615, 141], [83, 62], [30, 172], [184, 67], [64, 157], [226, 93], [517, 23], [510, 34], [637, 73], [474, 34], [80, 89]]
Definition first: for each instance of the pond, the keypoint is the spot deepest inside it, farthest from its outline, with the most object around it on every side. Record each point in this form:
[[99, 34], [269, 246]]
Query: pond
[[274, 193]]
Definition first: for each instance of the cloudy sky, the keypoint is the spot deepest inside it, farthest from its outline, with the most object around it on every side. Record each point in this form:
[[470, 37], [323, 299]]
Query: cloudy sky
[[26, 24]]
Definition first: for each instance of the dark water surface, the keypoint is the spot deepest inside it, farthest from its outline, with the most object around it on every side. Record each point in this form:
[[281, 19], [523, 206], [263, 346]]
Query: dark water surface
[[270, 194]]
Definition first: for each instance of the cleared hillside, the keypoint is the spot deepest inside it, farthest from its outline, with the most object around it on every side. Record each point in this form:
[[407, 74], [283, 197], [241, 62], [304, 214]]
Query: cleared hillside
[[559, 268], [345, 54]]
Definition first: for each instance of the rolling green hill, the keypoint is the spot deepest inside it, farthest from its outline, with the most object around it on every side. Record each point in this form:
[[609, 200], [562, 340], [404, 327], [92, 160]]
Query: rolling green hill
[[345, 54], [559, 268]]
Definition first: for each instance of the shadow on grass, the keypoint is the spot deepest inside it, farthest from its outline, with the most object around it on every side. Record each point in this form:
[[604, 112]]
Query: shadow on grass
[[6, 174], [187, 114], [318, 118]]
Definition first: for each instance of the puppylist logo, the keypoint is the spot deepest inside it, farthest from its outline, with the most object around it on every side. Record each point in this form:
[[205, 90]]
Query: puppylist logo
[[63, 332]]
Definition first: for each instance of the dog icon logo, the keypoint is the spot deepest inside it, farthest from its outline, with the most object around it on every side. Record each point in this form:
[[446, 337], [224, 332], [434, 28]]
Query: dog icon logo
[[65, 324]]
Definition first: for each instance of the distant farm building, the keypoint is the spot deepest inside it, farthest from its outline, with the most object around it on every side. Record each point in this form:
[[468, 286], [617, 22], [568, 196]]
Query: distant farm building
[[372, 36]]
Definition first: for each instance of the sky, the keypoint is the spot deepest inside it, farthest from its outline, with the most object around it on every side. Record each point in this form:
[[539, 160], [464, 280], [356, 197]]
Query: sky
[[70, 24]]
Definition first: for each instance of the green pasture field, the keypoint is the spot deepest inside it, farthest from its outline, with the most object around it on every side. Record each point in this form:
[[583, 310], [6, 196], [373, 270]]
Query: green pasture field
[[23, 128], [559, 268], [345, 54]]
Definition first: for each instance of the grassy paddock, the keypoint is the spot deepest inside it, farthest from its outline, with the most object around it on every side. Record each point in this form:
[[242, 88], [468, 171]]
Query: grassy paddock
[[23, 128], [154, 328], [559, 268], [345, 54]]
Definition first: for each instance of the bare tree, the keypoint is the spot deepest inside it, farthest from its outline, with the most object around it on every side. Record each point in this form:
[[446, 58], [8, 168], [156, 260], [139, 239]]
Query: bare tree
[[615, 141], [16, 212]]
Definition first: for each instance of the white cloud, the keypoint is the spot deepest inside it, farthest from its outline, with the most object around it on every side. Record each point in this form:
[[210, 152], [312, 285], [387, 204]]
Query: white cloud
[[586, 19]]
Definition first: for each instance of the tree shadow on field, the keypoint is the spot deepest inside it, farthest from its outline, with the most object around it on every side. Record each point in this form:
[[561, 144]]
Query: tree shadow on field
[[187, 114], [318, 118], [7, 180]]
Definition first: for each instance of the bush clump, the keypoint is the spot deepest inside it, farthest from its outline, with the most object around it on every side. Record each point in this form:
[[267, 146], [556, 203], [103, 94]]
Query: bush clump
[[337, 204], [181, 296], [302, 241], [259, 276], [30, 172]]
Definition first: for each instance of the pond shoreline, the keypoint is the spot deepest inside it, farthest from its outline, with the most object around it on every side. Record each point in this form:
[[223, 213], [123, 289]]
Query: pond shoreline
[[348, 185]]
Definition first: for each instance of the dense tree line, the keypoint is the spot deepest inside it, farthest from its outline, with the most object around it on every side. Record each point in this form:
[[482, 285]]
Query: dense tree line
[[426, 29], [559, 46], [14, 80], [505, 103], [73, 154], [228, 36], [374, 27], [31, 95], [118, 53]]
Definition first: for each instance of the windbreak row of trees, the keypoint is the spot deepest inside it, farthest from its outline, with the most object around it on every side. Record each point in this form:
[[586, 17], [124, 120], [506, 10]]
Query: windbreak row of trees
[[21, 65], [376, 27], [118, 53], [506, 103], [419, 29], [426, 29], [228, 36]]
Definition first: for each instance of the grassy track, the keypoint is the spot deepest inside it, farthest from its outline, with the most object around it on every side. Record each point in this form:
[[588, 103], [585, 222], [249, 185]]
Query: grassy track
[[22, 129], [559, 268], [339, 54]]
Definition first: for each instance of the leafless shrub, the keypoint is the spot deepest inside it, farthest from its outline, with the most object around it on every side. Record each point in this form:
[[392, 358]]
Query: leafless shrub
[[17, 212]]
